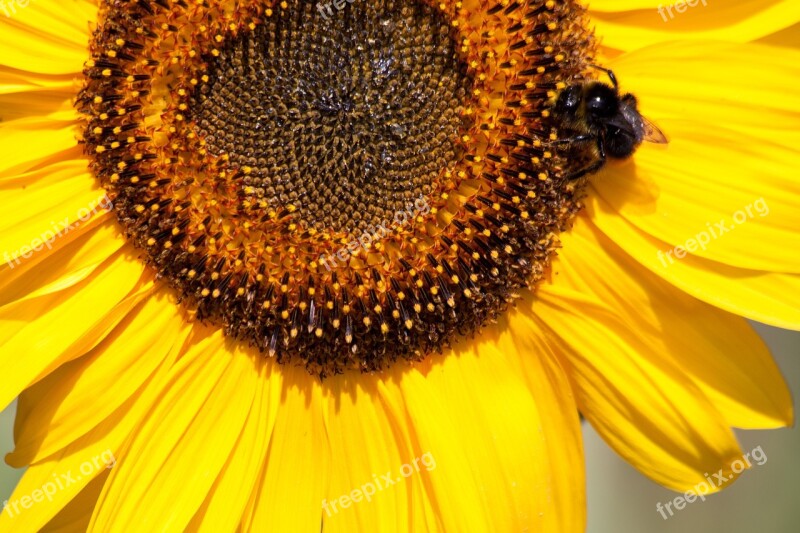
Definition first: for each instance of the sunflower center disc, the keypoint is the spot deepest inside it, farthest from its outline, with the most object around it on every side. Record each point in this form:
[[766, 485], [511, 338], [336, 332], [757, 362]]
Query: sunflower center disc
[[341, 188], [347, 115]]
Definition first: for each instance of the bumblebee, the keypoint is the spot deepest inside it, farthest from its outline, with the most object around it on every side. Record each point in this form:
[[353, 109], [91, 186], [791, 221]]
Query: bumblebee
[[599, 123]]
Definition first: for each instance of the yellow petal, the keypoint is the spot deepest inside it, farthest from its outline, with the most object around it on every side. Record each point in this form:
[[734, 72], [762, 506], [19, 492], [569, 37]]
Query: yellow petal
[[723, 192], [48, 487], [47, 36], [719, 351], [76, 397], [77, 514], [555, 400], [356, 498], [82, 461], [712, 195], [762, 296], [35, 142], [53, 270], [631, 24], [623, 401], [630, 389], [292, 484], [748, 88], [622, 5], [49, 204], [227, 501], [39, 335], [422, 503], [183, 443], [788, 37], [25, 94], [502, 461]]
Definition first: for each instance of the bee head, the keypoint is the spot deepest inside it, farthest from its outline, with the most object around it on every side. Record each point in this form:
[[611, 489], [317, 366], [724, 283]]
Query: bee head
[[601, 102]]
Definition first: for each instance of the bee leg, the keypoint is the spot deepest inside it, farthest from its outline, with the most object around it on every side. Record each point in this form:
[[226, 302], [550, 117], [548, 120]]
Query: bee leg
[[610, 74], [594, 167], [576, 139], [591, 169], [601, 147], [571, 141]]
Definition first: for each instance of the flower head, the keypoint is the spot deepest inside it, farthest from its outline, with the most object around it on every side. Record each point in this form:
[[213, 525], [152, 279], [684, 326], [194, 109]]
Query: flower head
[[363, 267]]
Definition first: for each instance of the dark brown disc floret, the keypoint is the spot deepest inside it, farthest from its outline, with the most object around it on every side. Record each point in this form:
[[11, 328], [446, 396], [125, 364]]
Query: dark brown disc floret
[[340, 188]]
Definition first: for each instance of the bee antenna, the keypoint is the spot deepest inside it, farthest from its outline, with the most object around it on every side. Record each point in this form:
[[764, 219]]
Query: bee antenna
[[609, 73]]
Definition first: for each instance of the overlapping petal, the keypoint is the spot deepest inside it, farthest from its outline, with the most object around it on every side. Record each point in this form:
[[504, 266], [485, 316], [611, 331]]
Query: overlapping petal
[[210, 437], [512, 448], [631, 24], [183, 443], [46, 36]]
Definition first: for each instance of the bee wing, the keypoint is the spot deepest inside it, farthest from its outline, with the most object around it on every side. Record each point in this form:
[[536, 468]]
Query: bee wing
[[652, 133]]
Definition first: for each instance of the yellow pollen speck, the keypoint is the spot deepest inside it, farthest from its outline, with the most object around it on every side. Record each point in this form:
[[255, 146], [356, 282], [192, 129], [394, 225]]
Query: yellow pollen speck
[[254, 237]]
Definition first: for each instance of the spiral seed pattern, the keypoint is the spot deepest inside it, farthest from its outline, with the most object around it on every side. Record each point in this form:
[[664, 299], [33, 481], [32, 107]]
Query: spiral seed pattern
[[347, 118], [246, 145]]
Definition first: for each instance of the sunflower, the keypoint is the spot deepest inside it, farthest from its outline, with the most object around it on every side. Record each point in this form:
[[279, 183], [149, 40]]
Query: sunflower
[[278, 266]]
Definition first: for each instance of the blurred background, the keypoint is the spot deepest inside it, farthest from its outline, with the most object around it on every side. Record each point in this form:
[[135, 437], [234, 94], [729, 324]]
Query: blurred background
[[764, 500]]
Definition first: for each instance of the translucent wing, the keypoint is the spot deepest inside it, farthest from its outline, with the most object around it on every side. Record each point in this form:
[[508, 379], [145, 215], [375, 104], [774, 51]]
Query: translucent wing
[[652, 133]]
